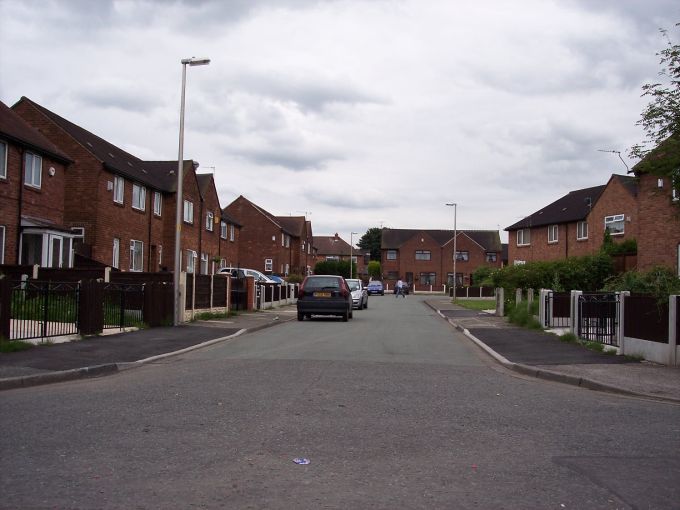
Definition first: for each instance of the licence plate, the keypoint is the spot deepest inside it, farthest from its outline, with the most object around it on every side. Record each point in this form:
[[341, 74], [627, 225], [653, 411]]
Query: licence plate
[[322, 294]]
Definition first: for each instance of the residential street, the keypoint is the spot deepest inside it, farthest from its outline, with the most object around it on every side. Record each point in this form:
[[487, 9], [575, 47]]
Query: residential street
[[394, 409]]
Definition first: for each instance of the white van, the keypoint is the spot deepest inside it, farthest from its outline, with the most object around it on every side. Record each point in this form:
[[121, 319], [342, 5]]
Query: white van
[[241, 272]]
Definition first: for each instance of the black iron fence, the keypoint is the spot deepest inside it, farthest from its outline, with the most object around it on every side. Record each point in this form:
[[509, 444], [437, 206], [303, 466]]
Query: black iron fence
[[599, 318], [123, 305]]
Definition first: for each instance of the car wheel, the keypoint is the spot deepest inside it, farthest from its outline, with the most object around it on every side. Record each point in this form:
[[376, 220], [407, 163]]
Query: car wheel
[[366, 304], [351, 314], [345, 317], [301, 316]]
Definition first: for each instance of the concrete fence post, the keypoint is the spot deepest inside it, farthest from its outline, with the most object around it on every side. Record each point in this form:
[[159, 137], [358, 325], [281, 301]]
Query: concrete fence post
[[212, 289], [107, 274], [36, 271], [574, 311], [500, 302], [518, 296], [228, 297], [542, 312], [530, 298], [673, 302]]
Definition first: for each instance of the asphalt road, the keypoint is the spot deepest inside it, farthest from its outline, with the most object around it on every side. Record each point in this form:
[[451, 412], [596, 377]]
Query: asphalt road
[[394, 409]]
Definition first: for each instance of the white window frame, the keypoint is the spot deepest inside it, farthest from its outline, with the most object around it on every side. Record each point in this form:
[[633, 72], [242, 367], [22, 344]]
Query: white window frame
[[157, 203], [115, 257], [287, 241], [231, 233], [335, 258], [553, 234], [32, 175], [118, 189], [523, 237], [138, 196], [191, 261], [134, 244], [492, 256], [582, 231], [391, 255], [2, 244], [675, 183], [188, 212], [423, 255], [160, 255], [4, 148], [462, 255], [268, 265], [209, 220], [615, 219], [223, 230]]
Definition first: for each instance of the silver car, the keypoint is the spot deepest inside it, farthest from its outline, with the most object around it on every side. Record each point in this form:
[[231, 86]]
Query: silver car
[[359, 294]]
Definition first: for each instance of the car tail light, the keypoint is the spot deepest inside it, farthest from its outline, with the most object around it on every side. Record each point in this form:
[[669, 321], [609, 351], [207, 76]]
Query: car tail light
[[344, 290]]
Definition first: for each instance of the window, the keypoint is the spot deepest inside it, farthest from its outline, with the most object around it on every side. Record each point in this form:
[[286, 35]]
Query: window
[[33, 171], [115, 259], [423, 255], [582, 230], [268, 264], [231, 232], [138, 197], [118, 189], [391, 254], [204, 263], [2, 244], [302, 246], [188, 212], [287, 241], [614, 224], [157, 203], [675, 184], [32, 249], [3, 160], [552, 233], [523, 237], [191, 261], [491, 256], [428, 278], [332, 257], [519, 262], [392, 275], [136, 255], [462, 256], [283, 239], [160, 255], [209, 220], [223, 230]]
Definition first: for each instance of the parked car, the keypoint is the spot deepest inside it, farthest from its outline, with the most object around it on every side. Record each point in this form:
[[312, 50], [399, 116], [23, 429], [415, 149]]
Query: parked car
[[240, 272], [324, 295], [375, 287], [359, 294], [276, 278]]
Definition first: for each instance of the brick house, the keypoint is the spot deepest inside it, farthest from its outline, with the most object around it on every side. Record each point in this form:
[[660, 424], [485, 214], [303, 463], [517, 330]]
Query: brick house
[[269, 243], [128, 218], [424, 258], [33, 174], [335, 248], [574, 225]]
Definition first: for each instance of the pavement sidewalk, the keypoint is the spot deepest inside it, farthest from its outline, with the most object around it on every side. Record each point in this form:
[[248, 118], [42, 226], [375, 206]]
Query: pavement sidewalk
[[543, 355], [99, 355]]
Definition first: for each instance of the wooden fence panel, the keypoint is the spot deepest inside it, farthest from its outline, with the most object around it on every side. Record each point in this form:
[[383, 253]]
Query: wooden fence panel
[[645, 318], [202, 291], [220, 291]]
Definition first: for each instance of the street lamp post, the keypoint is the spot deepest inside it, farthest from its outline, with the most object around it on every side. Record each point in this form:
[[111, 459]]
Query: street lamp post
[[351, 246], [455, 250], [193, 61]]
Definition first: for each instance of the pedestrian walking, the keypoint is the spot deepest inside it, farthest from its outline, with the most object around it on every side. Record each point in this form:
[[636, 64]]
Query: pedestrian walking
[[400, 289]]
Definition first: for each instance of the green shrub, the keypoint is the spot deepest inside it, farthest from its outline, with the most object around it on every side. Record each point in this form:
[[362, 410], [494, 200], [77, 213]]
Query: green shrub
[[659, 281], [15, 346], [522, 315], [569, 338], [295, 278]]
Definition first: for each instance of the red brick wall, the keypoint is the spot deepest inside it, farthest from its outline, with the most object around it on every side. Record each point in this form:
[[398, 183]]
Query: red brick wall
[[659, 232], [615, 199], [45, 203], [210, 240], [476, 259]]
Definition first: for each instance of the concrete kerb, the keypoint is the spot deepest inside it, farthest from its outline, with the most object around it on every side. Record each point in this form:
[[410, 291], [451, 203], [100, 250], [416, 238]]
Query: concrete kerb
[[549, 375], [110, 368]]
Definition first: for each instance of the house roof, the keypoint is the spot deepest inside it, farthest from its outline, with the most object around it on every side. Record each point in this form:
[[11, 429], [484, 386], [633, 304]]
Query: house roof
[[574, 206], [13, 127], [263, 212], [331, 245], [393, 238], [295, 225], [160, 175]]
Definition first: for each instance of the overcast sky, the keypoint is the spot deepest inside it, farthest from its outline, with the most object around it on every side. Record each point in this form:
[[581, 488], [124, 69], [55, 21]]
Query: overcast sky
[[357, 113]]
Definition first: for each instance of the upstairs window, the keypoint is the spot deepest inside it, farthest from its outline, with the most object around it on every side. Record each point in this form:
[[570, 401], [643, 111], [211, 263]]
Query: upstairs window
[[3, 160], [391, 254], [191, 261], [231, 232], [423, 255], [157, 203], [138, 197], [523, 237], [33, 172], [463, 256], [118, 189], [582, 230], [491, 256], [268, 265], [614, 224], [209, 220], [223, 230], [553, 231], [188, 212]]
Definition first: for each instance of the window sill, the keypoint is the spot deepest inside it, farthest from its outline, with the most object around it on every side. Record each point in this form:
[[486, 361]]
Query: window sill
[[553, 242], [523, 245], [581, 239]]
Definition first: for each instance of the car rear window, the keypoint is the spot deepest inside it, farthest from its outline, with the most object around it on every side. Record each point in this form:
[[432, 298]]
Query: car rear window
[[353, 285], [322, 282]]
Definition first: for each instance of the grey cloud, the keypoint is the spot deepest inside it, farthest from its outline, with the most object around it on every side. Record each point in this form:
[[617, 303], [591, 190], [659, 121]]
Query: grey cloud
[[126, 97], [290, 158], [344, 199]]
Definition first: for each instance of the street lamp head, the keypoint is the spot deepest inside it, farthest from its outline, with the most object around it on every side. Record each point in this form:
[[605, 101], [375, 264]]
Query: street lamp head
[[196, 61], [451, 204]]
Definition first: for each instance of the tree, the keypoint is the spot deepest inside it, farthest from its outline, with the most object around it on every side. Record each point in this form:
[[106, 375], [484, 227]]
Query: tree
[[374, 269], [371, 240], [659, 154]]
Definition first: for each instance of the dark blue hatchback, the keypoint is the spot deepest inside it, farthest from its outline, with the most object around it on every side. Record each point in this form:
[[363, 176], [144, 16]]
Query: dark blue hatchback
[[375, 287]]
